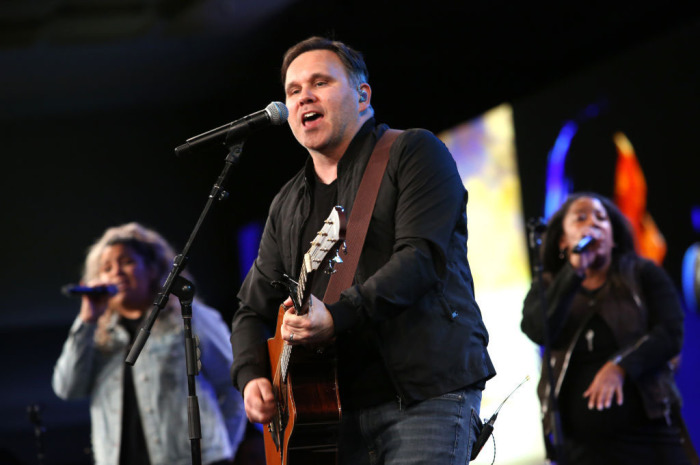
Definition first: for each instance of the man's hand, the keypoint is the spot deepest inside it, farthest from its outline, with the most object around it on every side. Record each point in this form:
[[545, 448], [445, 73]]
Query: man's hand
[[313, 328], [259, 400], [606, 384]]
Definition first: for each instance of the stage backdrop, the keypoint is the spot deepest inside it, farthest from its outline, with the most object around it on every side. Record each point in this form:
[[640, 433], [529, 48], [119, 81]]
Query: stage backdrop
[[484, 150]]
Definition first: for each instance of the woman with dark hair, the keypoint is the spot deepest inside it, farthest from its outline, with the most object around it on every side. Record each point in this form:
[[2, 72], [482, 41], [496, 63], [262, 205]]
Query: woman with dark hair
[[615, 325], [139, 414]]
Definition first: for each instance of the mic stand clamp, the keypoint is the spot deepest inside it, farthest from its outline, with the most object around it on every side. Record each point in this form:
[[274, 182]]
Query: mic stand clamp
[[536, 227]]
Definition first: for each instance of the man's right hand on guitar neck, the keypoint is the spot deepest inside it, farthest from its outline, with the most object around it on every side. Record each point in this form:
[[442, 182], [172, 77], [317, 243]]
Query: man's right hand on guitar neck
[[259, 400]]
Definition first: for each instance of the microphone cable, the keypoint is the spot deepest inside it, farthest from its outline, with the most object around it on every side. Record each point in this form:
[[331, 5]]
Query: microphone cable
[[487, 428]]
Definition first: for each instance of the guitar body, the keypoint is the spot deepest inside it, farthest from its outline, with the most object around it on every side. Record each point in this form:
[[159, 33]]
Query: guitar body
[[304, 430]]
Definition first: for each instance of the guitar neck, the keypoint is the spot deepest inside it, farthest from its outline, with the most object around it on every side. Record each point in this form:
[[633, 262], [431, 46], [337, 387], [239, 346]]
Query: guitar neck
[[322, 248], [302, 294], [301, 308]]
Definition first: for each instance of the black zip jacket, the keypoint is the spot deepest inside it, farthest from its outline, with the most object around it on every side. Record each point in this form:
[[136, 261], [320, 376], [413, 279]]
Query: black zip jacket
[[413, 286]]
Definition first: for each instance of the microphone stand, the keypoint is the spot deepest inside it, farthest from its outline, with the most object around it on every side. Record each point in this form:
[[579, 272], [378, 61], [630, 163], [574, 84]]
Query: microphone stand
[[185, 292], [536, 227]]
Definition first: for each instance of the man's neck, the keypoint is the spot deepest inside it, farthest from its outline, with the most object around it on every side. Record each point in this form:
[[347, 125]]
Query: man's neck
[[326, 168], [326, 163]]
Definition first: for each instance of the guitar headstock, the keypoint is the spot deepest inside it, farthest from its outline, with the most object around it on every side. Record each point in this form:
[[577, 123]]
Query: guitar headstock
[[327, 240]]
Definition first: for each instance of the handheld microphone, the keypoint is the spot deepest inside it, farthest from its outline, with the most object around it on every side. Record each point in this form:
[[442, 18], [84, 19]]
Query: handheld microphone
[[72, 290], [583, 244], [274, 114]]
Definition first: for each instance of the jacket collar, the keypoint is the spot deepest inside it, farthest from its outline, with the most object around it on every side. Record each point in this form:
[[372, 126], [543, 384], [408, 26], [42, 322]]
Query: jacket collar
[[365, 138]]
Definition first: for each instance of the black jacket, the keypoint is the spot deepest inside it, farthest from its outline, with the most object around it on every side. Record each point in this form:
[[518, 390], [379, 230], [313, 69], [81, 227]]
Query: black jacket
[[413, 285], [646, 320]]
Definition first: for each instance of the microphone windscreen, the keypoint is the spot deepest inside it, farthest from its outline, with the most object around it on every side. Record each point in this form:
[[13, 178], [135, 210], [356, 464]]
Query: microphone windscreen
[[278, 112]]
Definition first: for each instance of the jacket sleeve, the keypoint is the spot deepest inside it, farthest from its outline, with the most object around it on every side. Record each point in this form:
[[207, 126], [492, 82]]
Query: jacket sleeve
[[558, 294], [430, 202], [664, 338], [256, 316], [73, 372], [216, 359]]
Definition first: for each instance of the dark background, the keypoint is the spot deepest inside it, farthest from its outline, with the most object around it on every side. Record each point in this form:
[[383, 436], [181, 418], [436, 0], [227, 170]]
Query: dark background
[[94, 96]]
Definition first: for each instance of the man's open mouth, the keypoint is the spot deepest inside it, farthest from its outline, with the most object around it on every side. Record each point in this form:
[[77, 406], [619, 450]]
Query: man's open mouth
[[311, 116]]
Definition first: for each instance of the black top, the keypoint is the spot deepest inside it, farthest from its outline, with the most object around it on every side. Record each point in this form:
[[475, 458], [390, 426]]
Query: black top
[[361, 374], [323, 200], [593, 349], [133, 449]]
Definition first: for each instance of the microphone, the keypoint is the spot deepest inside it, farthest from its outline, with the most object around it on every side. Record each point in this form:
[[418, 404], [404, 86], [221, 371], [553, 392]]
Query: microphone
[[583, 244], [275, 113], [72, 290]]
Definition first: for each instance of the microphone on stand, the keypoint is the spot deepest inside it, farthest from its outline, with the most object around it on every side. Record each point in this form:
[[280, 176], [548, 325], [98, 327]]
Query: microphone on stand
[[583, 244], [274, 114], [72, 290]]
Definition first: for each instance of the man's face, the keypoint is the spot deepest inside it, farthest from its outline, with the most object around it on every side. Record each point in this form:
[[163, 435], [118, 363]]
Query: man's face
[[324, 111]]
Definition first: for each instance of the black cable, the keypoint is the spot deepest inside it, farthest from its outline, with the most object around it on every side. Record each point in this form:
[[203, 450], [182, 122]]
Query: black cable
[[487, 427]]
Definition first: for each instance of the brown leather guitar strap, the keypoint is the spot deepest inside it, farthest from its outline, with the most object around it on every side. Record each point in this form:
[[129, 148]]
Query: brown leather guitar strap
[[358, 223]]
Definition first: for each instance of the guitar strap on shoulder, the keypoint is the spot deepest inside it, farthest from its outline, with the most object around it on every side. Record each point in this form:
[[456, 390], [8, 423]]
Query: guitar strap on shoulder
[[358, 223]]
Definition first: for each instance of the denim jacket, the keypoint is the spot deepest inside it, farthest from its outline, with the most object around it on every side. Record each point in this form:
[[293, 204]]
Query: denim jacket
[[160, 382]]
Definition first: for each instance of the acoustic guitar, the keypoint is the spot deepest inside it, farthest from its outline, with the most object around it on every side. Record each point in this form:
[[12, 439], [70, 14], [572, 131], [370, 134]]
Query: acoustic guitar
[[304, 429]]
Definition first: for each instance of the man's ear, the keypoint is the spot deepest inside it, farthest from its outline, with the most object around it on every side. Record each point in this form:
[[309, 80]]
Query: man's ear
[[364, 92]]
